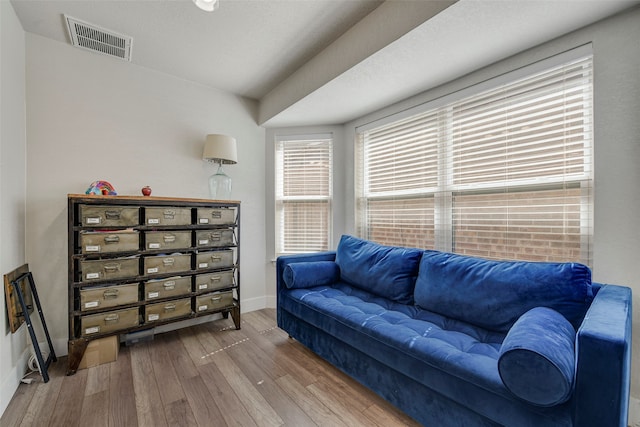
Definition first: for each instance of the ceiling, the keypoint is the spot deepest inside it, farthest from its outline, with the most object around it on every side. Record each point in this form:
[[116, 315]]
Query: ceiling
[[321, 61]]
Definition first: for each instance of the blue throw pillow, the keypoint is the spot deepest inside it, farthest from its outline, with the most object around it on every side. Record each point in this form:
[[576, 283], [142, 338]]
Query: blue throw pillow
[[309, 274], [494, 294], [537, 358], [387, 271]]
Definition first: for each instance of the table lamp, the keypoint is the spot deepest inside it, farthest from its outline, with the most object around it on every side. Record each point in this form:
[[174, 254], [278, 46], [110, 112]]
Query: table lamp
[[220, 149]]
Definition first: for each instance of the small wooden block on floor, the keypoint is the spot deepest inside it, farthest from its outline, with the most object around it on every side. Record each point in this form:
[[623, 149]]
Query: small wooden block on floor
[[103, 350]]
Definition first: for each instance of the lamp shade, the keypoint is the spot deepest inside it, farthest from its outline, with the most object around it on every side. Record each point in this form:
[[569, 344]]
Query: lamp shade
[[207, 5], [220, 149]]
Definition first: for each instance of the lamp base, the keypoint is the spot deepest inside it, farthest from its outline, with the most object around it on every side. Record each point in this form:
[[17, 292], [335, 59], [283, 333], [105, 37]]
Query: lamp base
[[220, 185]]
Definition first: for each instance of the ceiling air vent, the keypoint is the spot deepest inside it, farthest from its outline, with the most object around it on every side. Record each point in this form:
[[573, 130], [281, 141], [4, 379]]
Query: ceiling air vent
[[91, 37]]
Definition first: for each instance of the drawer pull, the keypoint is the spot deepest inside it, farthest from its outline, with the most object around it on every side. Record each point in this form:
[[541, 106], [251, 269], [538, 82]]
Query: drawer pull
[[216, 299], [169, 285], [111, 318], [169, 238], [216, 236], [169, 307], [216, 258], [112, 214], [110, 268], [168, 261], [112, 239], [216, 214], [169, 214], [110, 294], [216, 278]]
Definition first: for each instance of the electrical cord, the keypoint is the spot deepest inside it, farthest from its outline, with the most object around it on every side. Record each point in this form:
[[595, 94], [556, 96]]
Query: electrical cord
[[34, 367], [33, 364]]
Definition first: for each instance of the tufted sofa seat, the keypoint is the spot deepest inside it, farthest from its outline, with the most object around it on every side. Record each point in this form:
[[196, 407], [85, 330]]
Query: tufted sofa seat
[[443, 343], [444, 370]]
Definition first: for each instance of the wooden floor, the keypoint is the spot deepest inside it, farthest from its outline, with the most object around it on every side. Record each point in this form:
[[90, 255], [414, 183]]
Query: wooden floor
[[205, 375]]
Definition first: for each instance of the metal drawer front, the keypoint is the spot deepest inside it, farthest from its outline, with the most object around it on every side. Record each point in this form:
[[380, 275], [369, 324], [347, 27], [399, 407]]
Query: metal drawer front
[[214, 259], [167, 264], [109, 269], [214, 238], [214, 301], [168, 239], [108, 296], [167, 310], [110, 321], [122, 241], [171, 287], [213, 281], [109, 216], [167, 216], [216, 216]]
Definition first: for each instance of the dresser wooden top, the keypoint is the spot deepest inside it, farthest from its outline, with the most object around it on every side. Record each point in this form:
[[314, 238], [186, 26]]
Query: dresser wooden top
[[146, 199]]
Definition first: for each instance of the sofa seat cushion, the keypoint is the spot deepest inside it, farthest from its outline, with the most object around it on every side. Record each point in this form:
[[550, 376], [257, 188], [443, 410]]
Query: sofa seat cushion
[[453, 358], [494, 294], [446, 344]]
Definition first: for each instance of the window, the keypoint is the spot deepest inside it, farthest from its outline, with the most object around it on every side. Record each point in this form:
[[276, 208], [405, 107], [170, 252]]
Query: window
[[505, 173], [303, 193]]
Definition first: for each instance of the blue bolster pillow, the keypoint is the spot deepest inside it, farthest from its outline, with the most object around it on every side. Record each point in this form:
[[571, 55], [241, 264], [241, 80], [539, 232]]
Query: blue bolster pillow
[[309, 274], [537, 358]]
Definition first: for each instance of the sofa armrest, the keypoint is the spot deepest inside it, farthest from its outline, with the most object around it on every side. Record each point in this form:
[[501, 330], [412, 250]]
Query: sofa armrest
[[603, 357], [281, 264], [284, 260]]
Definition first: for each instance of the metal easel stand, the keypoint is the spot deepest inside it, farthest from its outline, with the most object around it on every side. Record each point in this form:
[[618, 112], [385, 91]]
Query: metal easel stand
[[42, 364]]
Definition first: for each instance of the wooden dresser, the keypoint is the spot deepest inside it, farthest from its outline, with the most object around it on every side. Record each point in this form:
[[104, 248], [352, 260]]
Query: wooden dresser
[[139, 262]]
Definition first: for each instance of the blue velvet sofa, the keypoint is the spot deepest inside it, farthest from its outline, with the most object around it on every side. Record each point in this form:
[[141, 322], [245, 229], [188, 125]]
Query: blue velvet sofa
[[460, 341]]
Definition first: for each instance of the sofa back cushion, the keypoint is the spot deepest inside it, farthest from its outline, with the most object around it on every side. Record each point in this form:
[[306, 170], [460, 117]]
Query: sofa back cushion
[[494, 294], [386, 271]]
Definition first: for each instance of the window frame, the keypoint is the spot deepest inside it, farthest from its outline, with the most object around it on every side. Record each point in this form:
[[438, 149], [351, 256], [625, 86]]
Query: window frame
[[282, 247], [446, 191]]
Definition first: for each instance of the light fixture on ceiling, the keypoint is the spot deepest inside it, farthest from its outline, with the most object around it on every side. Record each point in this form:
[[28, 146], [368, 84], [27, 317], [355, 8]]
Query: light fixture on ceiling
[[207, 5], [220, 149]]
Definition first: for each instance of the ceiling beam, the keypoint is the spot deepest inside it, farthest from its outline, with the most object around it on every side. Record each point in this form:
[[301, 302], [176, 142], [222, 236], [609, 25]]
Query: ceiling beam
[[386, 24]]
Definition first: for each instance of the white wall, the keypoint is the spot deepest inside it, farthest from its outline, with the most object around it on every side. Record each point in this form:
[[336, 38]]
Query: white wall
[[616, 243], [12, 189], [93, 117]]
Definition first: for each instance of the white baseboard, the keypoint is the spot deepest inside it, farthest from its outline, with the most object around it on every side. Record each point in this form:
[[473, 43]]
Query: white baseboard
[[634, 412], [271, 301], [11, 382], [61, 346], [253, 304]]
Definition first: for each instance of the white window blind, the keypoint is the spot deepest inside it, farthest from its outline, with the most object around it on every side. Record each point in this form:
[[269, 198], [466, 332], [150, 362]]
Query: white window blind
[[504, 174], [303, 193]]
